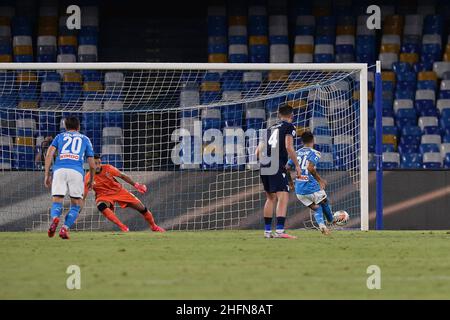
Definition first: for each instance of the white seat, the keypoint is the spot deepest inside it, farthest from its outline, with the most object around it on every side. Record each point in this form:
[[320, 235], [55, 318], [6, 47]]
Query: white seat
[[432, 39], [428, 122], [252, 76], [443, 104], [391, 157], [112, 132], [87, 49], [317, 122], [441, 67], [6, 141], [323, 140], [388, 121], [431, 138], [412, 30], [425, 95], [445, 85], [255, 113], [345, 40], [189, 98], [112, 149], [445, 149], [279, 53], [26, 123], [237, 49], [231, 95], [5, 166], [403, 104], [324, 49], [66, 58], [305, 40], [50, 86], [211, 114], [22, 41], [303, 58], [46, 41], [343, 139], [114, 77], [414, 20], [391, 39], [92, 105], [113, 105], [432, 157], [189, 124], [387, 59], [326, 157]]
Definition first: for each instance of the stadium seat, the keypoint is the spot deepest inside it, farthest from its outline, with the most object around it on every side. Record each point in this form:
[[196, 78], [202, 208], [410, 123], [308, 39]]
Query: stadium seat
[[425, 103], [113, 154], [326, 161], [391, 160], [443, 104], [429, 125], [431, 160], [255, 118], [429, 148], [113, 115], [411, 161], [6, 148], [444, 89]]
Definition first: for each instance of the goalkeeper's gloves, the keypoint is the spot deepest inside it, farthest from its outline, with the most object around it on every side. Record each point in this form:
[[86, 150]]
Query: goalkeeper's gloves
[[140, 187]]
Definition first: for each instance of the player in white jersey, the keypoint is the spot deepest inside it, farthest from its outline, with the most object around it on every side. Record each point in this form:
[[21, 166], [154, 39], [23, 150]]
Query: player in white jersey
[[71, 148]]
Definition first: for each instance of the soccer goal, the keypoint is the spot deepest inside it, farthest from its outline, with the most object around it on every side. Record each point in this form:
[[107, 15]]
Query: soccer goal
[[188, 131]]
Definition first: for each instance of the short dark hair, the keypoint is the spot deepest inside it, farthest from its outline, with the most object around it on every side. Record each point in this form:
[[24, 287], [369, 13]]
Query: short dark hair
[[307, 137], [97, 156], [72, 123], [285, 110]]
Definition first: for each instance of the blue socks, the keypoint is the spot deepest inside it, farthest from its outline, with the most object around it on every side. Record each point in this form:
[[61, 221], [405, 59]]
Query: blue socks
[[327, 211], [72, 216], [319, 216], [56, 210], [280, 224], [268, 224]]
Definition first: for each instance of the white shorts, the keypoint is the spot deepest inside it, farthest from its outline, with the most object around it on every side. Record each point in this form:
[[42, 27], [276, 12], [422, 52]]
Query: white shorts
[[316, 197], [67, 179]]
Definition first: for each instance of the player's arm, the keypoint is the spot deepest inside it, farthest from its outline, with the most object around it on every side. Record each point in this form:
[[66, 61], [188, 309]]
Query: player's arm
[[312, 170], [142, 188], [259, 149], [289, 142], [89, 153], [48, 162]]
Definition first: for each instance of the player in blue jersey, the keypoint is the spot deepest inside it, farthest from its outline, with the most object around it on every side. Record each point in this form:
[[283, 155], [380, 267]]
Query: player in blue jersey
[[280, 148], [310, 186], [71, 148]]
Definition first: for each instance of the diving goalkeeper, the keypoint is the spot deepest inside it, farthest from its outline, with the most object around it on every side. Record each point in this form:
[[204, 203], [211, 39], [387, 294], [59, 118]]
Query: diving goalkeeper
[[109, 191]]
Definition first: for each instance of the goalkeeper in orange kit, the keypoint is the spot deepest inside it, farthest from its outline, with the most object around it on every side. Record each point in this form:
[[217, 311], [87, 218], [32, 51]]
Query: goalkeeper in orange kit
[[109, 191]]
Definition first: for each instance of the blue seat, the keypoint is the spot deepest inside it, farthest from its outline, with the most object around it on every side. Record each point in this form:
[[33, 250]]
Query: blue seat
[[425, 108], [23, 158], [428, 147], [406, 117], [408, 148], [114, 159], [410, 135], [411, 161], [388, 147], [445, 119], [447, 161]]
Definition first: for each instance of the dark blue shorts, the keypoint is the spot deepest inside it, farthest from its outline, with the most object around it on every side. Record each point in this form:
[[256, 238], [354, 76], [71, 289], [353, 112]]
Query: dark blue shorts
[[276, 183]]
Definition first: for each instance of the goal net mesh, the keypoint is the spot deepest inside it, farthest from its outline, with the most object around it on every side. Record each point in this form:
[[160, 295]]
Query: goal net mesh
[[189, 135]]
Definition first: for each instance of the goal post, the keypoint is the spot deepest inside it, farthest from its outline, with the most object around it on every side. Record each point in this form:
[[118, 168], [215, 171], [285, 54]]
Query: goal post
[[187, 130]]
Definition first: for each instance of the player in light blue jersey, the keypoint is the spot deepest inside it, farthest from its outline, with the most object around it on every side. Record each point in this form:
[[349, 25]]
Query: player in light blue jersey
[[72, 148], [310, 186]]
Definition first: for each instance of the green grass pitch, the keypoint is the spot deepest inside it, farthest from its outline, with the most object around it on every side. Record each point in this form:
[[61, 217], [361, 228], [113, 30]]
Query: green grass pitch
[[226, 265]]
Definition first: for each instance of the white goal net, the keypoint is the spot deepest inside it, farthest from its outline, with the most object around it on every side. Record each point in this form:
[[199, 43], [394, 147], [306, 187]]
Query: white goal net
[[188, 131]]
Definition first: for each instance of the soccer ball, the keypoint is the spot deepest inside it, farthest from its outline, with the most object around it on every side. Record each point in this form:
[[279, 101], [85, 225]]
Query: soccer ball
[[341, 217]]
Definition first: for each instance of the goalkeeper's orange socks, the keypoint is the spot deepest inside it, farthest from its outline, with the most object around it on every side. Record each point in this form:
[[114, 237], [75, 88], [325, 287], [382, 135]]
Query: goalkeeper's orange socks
[[148, 216], [109, 214]]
